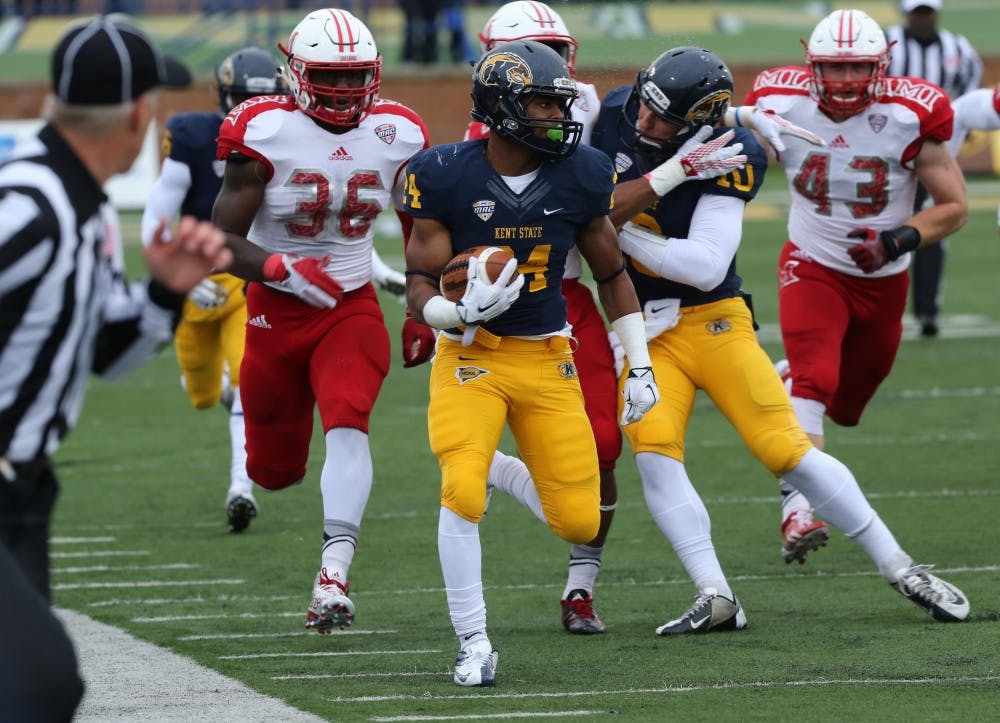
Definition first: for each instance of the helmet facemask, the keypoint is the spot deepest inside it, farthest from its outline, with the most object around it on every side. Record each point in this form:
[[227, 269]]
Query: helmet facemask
[[341, 94], [849, 96]]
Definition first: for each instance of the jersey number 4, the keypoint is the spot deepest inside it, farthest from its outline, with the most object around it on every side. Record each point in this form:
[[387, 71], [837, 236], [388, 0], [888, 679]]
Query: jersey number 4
[[813, 182]]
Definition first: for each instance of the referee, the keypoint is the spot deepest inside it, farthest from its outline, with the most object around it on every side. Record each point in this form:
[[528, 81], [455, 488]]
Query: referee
[[922, 50], [66, 311]]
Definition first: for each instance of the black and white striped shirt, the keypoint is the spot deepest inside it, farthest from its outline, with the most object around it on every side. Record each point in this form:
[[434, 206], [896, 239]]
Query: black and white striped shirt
[[65, 308], [948, 60]]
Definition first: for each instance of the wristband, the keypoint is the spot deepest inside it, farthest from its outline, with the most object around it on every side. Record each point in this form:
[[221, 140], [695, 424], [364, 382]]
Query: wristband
[[631, 331], [441, 313], [900, 241], [274, 268]]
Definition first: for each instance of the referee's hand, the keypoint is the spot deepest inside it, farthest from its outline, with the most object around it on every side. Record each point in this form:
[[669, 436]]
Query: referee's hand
[[182, 258]]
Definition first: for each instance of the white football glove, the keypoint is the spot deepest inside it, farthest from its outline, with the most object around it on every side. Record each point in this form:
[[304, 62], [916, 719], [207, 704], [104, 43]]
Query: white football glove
[[484, 300], [772, 127], [640, 393], [388, 279], [208, 295], [698, 160]]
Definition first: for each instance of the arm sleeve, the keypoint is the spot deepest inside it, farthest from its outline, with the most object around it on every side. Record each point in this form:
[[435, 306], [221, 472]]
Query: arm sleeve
[[166, 196], [702, 259], [973, 111]]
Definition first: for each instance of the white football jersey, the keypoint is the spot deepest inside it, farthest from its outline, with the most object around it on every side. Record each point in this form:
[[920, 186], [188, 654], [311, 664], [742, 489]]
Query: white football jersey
[[325, 189], [863, 177], [585, 109]]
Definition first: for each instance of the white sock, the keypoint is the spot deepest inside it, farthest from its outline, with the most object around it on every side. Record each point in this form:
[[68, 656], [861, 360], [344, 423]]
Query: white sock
[[681, 515], [510, 475], [810, 413], [792, 500], [461, 563], [346, 482], [346, 479], [838, 499], [339, 545], [239, 483], [584, 564]]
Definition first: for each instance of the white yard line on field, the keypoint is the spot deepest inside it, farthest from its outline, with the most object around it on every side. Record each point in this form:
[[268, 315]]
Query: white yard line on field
[[142, 583], [287, 634], [331, 654], [817, 682], [493, 716], [796, 575], [129, 679]]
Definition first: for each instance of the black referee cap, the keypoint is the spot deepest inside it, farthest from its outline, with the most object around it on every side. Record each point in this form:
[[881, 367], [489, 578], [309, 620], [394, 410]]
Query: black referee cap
[[107, 61]]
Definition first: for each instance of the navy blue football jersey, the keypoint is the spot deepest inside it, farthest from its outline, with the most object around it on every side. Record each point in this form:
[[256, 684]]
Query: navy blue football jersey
[[190, 139], [455, 185], [671, 215]]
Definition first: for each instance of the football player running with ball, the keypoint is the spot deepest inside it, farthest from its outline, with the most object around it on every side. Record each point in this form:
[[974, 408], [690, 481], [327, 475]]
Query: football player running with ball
[[680, 241], [505, 355], [843, 273], [306, 176]]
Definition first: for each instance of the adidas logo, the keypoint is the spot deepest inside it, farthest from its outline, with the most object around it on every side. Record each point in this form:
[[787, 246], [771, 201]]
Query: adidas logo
[[259, 321], [341, 154], [839, 142]]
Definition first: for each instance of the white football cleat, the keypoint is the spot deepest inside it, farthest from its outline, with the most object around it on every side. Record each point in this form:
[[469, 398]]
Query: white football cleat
[[710, 611], [945, 602], [330, 607], [476, 666]]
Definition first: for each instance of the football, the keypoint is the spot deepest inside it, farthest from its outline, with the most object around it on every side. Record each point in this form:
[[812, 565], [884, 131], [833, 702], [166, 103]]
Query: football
[[454, 277]]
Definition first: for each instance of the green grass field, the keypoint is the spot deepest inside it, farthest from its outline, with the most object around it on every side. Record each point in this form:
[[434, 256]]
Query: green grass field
[[144, 478], [768, 33]]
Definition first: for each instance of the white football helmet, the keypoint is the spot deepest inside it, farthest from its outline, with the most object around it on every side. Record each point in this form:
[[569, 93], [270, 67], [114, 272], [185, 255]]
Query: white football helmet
[[847, 36], [334, 69], [529, 20]]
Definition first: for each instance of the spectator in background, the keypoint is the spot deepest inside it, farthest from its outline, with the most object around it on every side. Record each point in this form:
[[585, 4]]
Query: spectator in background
[[454, 22], [922, 50], [420, 31]]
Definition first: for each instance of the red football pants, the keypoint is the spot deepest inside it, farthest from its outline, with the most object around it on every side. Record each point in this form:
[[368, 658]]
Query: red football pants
[[297, 357], [841, 332], [595, 363]]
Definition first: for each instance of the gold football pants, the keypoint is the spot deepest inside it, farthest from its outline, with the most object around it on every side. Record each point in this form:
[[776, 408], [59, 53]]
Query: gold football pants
[[207, 339], [714, 348], [533, 387]]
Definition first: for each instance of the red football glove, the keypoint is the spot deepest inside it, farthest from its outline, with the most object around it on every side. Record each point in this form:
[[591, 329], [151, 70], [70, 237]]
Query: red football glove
[[877, 249], [306, 277], [418, 342]]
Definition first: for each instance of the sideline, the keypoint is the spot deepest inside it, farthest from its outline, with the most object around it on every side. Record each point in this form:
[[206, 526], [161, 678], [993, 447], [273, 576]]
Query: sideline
[[130, 679]]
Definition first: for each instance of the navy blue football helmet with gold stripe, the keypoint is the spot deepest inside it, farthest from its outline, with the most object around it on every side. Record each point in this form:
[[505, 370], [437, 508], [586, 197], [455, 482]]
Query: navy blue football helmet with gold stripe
[[507, 78], [246, 73], [689, 86]]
